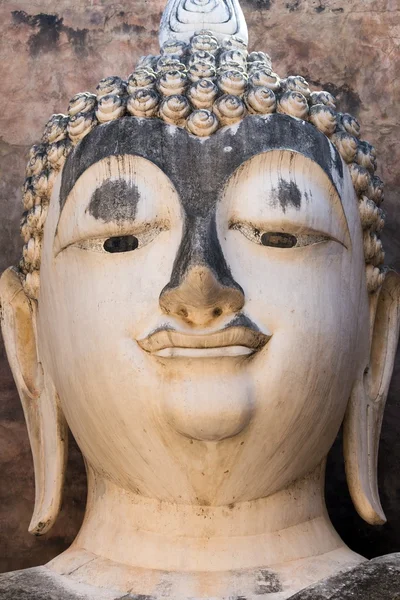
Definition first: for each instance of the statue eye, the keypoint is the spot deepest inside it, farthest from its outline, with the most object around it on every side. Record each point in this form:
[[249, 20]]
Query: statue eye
[[279, 239], [276, 239], [119, 244], [124, 243]]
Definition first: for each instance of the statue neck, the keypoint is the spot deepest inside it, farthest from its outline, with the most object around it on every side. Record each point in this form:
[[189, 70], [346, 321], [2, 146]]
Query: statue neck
[[147, 535]]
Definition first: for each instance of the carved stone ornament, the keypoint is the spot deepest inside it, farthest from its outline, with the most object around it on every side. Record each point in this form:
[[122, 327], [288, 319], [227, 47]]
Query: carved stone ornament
[[201, 299], [182, 18]]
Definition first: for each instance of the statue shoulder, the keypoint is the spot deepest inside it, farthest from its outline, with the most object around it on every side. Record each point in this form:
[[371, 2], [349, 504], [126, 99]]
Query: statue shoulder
[[40, 583], [377, 579]]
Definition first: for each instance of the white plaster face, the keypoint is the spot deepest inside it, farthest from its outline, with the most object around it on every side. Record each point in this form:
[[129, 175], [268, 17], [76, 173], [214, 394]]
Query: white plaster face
[[204, 363]]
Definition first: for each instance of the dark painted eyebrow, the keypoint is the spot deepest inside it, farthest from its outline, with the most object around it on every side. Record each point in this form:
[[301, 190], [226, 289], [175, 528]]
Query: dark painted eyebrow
[[199, 167], [114, 200]]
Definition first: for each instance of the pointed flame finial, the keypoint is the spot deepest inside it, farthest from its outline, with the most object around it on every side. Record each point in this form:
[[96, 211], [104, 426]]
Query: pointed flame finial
[[181, 18]]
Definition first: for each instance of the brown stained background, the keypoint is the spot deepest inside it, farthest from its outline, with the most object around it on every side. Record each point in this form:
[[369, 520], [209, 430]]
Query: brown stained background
[[51, 50]]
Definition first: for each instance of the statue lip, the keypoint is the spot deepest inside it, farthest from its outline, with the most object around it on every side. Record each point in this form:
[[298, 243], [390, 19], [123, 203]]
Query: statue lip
[[231, 341]]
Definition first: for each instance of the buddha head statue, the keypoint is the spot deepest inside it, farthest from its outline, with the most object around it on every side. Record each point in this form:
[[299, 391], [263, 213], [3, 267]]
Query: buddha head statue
[[201, 298]]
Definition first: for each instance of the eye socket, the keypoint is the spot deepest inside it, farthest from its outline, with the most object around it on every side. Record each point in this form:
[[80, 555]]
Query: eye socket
[[276, 239], [123, 243]]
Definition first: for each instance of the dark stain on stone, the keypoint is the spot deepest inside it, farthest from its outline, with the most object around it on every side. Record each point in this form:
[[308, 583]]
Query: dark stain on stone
[[96, 18], [320, 8], [186, 159], [348, 100], [338, 10], [240, 320], [293, 5], [40, 527], [114, 201], [261, 4], [287, 194], [302, 49], [200, 246], [377, 579], [127, 28], [267, 583], [78, 40], [48, 29], [37, 583]]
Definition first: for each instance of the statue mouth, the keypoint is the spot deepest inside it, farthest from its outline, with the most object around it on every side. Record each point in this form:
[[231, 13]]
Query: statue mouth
[[232, 341]]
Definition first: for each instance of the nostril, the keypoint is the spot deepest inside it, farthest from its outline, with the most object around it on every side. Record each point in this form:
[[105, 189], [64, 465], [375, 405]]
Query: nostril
[[182, 312], [201, 297]]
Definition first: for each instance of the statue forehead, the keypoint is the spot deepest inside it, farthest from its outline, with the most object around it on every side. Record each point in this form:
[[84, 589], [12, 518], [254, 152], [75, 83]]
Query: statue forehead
[[200, 167]]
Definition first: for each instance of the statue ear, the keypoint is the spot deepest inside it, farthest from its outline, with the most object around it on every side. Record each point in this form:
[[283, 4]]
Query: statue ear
[[363, 420], [45, 421]]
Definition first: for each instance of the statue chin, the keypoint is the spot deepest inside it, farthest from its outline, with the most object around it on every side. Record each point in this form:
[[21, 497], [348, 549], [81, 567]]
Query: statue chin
[[209, 406]]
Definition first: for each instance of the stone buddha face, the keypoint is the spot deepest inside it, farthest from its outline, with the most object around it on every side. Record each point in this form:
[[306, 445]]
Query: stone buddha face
[[195, 297], [205, 320]]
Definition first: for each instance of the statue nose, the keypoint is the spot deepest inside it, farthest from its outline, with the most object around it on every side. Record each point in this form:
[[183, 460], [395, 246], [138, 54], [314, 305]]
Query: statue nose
[[200, 298]]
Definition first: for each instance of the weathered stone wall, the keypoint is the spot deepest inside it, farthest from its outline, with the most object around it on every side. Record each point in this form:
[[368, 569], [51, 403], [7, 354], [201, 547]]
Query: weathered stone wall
[[51, 50]]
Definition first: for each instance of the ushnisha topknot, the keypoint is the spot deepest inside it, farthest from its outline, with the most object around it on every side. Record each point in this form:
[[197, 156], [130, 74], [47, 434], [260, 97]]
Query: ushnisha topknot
[[201, 84]]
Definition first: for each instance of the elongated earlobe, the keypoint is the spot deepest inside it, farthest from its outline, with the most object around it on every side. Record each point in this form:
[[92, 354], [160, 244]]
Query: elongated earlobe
[[45, 421], [363, 421]]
